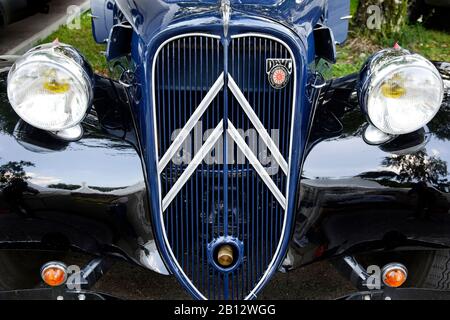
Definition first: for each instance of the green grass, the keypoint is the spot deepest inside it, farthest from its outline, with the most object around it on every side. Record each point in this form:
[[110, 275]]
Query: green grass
[[353, 6], [83, 40], [351, 56], [434, 45]]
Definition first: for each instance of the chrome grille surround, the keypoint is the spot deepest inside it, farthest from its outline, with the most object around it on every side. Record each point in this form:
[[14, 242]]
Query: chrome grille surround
[[180, 218]]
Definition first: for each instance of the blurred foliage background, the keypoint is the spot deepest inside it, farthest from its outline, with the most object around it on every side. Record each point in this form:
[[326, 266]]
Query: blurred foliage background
[[429, 35], [419, 36]]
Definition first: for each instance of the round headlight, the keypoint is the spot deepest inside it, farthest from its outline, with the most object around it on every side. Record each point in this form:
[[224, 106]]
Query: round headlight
[[400, 92], [50, 87]]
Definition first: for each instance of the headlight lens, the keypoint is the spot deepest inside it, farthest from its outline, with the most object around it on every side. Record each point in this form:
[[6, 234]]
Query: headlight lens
[[400, 92], [50, 87]]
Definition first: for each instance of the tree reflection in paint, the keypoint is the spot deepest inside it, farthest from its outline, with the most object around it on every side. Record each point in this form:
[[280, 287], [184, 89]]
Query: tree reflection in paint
[[14, 185], [418, 167], [14, 170]]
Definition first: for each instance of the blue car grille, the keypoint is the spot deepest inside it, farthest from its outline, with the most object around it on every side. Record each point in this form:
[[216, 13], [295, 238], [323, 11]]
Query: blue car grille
[[215, 195]]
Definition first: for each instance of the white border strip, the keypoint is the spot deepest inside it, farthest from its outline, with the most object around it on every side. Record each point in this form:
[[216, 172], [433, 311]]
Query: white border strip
[[201, 154], [198, 113], [256, 164], [257, 123]]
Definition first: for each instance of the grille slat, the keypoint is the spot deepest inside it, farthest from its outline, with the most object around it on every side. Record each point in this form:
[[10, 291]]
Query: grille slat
[[225, 197]]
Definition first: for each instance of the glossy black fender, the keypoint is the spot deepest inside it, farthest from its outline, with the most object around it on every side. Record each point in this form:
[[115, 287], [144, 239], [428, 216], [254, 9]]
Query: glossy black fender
[[90, 194], [357, 197]]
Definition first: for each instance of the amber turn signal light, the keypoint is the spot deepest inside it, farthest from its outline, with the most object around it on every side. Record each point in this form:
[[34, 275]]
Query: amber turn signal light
[[54, 273], [225, 255], [394, 275]]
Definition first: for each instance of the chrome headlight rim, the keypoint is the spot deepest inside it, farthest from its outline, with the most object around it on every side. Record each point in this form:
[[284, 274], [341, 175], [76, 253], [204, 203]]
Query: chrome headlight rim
[[376, 70], [66, 59]]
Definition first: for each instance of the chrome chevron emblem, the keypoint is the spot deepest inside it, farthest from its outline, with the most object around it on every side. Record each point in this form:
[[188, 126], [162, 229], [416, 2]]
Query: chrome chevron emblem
[[205, 149], [214, 137], [256, 164], [195, 118], [257, 124]]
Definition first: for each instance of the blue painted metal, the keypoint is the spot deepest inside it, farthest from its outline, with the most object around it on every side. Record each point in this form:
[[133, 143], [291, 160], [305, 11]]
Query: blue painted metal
[[153, 25], [103, 19], [149, 18], [337, 9]]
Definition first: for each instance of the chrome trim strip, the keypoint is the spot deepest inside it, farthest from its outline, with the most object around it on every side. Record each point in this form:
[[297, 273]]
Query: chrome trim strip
[[200, 155], [190, 124], [151, 258], [234, 134], [262, 131], [252, 294]]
